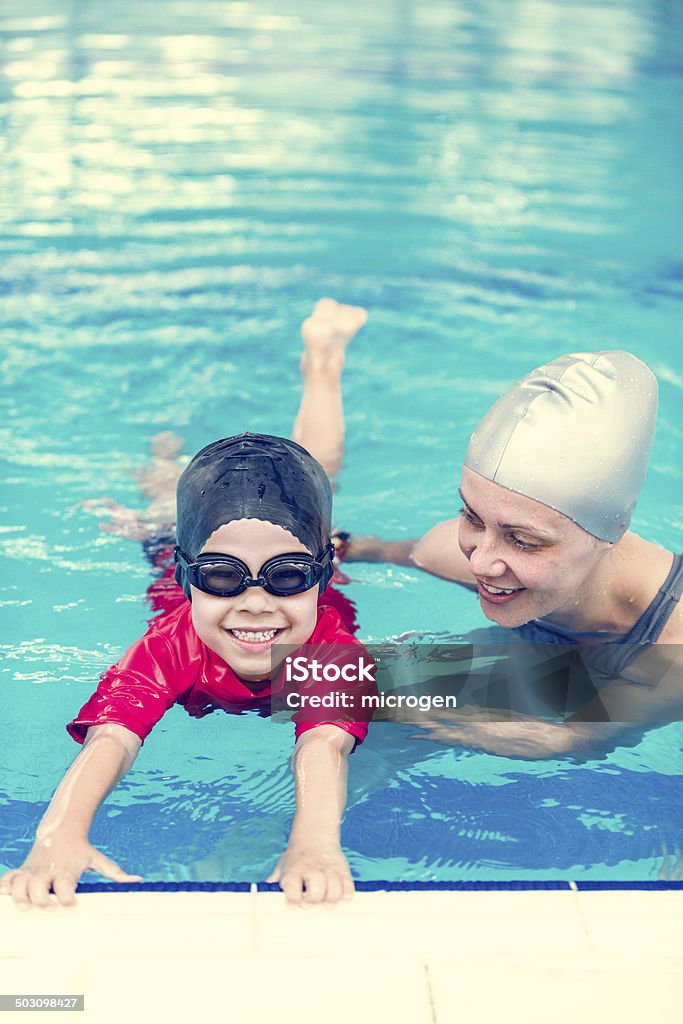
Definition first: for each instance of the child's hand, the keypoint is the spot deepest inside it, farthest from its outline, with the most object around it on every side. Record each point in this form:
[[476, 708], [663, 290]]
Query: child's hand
[[314, 876], [57, 866]]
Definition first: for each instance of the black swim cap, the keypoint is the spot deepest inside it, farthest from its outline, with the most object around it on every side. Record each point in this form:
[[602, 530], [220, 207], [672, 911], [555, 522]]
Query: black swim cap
[[254, 476]]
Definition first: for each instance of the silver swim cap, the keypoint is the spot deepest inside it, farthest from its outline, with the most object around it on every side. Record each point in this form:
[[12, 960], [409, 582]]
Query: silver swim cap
[[575, 434]]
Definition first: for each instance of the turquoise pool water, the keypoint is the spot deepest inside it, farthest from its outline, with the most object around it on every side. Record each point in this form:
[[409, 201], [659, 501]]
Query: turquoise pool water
[[496, 181]]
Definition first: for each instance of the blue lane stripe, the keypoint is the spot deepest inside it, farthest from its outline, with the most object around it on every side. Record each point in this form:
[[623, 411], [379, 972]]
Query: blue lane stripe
[[380, 886]]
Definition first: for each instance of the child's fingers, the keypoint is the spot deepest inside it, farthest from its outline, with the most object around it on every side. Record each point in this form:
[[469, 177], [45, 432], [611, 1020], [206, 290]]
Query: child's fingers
[[348, 887], [6, 882], [275, 875], [38, 892], [292, 885], [333, 887], [111, 870], [339, 886], [20, 891], [64, 888], [316, 886], [25, 889]]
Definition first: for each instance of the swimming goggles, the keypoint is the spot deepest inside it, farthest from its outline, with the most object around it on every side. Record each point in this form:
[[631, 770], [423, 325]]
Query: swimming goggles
[[225, 576]]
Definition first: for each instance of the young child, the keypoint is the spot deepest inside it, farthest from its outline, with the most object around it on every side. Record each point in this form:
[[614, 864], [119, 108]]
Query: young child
[[253, 556]]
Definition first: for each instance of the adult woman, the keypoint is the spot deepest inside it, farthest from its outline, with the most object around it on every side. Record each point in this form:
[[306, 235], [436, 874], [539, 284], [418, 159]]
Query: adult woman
[[551, 477]]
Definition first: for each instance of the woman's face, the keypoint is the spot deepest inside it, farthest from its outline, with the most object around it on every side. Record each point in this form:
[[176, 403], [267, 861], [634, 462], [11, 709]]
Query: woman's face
[[242, 629], [528, 560]]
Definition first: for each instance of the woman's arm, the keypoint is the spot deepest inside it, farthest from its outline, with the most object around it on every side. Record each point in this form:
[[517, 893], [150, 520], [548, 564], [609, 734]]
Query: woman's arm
[[617, 716], [313, 868], [437, 552], [507, 734], [61, 851]]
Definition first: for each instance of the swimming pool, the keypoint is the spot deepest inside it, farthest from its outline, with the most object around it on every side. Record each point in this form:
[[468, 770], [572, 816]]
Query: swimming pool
[[496, 183]]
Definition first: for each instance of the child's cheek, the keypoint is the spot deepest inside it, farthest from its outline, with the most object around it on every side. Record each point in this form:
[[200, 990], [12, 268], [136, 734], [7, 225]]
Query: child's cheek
[[205, 615], [307, 616]]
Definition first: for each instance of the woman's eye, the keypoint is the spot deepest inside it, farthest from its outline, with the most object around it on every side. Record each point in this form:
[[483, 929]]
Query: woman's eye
[[468, 517], [523, 544]]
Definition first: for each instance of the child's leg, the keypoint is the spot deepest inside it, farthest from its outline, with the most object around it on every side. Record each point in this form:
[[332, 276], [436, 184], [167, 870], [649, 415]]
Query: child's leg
[[319, 424], [158, 481], [157, 484]]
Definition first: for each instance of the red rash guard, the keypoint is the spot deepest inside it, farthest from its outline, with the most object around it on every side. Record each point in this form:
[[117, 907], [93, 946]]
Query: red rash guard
[[170, 665]]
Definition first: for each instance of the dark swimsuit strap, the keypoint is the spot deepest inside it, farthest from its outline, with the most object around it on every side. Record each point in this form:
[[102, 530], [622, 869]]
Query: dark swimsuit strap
[[613, 656], [649, 626]]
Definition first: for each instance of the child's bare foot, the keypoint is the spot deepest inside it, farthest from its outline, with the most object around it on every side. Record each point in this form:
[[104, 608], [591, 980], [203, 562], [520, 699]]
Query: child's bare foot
[[328, 330]]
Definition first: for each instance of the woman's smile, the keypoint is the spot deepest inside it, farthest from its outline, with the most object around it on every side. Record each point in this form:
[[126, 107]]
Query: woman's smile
[[528, 560]]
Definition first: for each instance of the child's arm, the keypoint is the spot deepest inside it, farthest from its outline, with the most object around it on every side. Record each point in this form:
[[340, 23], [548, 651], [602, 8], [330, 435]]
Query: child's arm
[[61, 851], [313, 868]]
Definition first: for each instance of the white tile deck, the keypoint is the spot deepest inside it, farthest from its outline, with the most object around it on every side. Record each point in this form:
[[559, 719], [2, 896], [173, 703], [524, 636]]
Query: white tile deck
[[529, 957]]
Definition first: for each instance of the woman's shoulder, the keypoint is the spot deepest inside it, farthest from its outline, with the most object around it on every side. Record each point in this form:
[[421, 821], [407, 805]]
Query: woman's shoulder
[[643, 567], [650, 576]]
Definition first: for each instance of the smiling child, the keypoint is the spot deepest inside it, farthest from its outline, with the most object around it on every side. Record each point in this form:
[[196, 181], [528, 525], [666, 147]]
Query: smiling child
[[253, 557]]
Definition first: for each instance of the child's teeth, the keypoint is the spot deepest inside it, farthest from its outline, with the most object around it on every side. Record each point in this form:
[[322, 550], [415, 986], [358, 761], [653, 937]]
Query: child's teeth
[[499, 590], [254, 635]]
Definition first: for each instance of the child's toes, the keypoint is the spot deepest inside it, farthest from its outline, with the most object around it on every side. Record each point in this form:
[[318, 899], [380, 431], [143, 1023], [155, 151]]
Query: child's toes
[[326, 308]]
